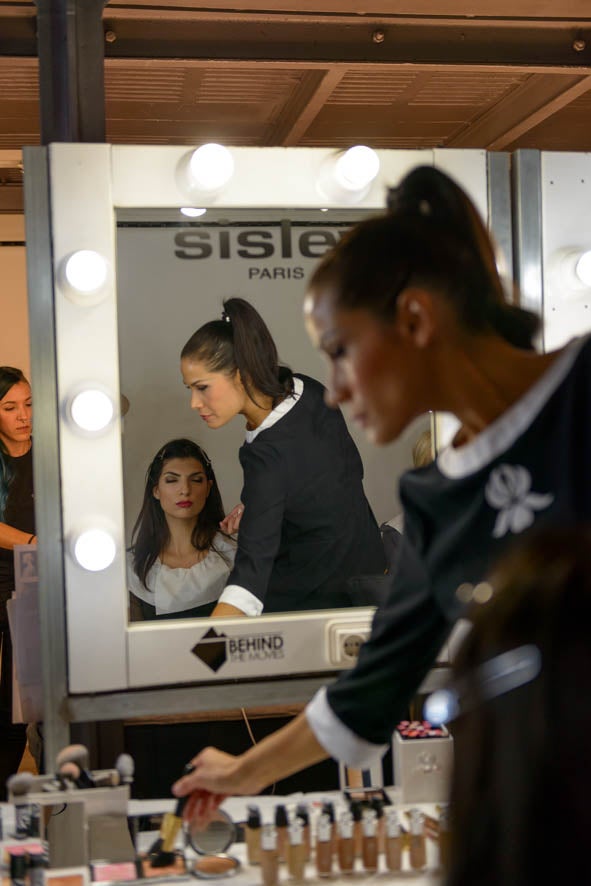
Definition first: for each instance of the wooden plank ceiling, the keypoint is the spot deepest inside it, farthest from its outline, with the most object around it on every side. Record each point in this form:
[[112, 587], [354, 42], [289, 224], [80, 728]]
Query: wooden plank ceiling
[[386, 73]]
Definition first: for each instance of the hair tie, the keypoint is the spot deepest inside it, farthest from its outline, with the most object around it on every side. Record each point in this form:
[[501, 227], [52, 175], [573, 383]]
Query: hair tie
[[226, 317]]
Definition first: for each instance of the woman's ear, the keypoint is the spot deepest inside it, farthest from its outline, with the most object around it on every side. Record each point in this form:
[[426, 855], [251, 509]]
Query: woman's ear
[[415, 316], [155, 493]]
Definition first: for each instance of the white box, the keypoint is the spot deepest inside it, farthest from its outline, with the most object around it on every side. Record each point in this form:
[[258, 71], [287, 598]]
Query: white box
[[422, 767]]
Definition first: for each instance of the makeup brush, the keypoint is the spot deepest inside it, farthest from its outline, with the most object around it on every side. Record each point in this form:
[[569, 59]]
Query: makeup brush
[[161, 854], [78, 754], [19, 786]]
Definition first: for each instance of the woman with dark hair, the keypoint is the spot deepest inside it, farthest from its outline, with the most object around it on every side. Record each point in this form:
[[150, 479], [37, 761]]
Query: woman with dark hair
[[179, 560], [409, 310], [520, 789], [305, 523], [17, 527]]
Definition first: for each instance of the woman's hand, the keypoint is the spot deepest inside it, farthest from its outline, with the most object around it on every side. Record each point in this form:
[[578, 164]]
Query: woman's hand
[[215, 776], [231, 521]]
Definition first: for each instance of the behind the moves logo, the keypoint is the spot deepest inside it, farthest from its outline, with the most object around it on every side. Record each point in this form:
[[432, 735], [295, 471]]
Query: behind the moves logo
[[215, 649]]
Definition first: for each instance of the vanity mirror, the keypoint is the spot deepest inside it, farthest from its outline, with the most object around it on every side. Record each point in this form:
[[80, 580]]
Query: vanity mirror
[[131, 280]]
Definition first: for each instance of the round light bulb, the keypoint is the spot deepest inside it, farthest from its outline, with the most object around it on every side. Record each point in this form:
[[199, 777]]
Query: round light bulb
[[583, 268], [92, 410], [441, 706], [95, 549], [211, 167], [192, 211], [357, 168], [86, 271]]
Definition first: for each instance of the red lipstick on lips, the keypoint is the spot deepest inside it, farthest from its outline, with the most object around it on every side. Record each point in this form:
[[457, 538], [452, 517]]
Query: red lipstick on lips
[[184, 504]]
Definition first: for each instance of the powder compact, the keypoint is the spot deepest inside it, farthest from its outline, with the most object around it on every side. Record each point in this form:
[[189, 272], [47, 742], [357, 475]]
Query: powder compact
[[210, 845]]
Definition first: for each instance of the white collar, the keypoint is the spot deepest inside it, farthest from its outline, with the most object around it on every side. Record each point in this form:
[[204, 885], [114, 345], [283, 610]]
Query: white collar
[[504, 431], [282, 409]]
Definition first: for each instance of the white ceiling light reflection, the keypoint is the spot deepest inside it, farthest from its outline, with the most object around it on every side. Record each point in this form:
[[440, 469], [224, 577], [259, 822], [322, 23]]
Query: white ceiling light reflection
[[346, 177], [92, 410], [84, 275], [192, 211], [94, 549]]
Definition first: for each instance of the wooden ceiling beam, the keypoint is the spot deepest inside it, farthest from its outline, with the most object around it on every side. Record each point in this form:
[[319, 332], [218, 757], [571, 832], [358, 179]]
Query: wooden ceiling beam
[[523, 108], [300, 112]]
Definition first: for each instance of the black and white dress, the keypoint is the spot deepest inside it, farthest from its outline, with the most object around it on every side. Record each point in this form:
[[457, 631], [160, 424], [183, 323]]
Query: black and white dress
[[307, 526], [529, 468]]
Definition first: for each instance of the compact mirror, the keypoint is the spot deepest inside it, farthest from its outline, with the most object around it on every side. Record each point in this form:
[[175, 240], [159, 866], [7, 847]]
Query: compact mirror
[[210, 844]]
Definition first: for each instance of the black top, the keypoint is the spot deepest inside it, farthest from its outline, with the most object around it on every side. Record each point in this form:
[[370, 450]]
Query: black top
[[307, 525], [20, 513], [529, 469]]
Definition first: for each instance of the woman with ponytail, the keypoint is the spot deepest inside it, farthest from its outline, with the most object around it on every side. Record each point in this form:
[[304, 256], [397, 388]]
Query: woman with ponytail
[[305, 524], [410, 313], [17, 527]]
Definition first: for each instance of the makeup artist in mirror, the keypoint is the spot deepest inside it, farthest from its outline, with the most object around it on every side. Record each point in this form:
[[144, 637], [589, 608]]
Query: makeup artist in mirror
[[411, 314], [17, 527], [180, 559], [305, 525]]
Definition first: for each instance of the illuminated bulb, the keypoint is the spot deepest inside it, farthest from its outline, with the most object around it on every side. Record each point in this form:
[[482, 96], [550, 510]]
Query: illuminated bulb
[[583, 268], [86, 271], [95, 549], [356, 168], [441, 706], [92, 410], [211, 167], [192, 211]]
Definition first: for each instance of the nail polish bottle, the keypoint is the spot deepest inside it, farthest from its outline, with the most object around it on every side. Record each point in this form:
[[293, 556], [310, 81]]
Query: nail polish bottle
[[369, 850], [324, 846], [418, 850], [328, 809], [393, 840], [296, 852], [444, 837], [269, 859], [304, 816], [346, 847], [252, 835], [281, 824], [378, 807], [357, 813]]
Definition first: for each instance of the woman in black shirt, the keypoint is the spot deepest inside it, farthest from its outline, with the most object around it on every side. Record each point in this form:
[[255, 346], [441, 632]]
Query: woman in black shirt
[[17, 527], [305, 523]]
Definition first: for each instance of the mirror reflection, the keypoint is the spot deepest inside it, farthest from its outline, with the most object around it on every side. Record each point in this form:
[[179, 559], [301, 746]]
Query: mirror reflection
[[184, 467]]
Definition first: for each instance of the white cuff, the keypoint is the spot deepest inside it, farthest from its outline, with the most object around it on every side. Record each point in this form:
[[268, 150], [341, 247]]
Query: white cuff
[[336, 738], [242, 599]]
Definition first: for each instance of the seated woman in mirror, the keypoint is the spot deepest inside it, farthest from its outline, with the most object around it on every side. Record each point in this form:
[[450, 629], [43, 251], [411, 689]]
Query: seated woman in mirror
[[306, 526], [179, 559]]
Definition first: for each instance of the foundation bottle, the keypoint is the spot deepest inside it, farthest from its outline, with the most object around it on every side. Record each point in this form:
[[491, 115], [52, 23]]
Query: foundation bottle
[[444, 837], [296, 852], [269, 859], [378, 806], [393, 840], [346, 847], [252, 835], [369, 849], [328, 809], [304, 816], [324, 846], [418, 850], [281, 825], [357, 813]]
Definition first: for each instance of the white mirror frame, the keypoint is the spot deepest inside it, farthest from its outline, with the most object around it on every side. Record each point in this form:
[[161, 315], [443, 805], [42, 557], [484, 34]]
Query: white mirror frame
[[87, 184]]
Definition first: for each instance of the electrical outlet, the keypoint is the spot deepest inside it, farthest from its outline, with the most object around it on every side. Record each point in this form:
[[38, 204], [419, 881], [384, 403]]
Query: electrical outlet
[[345, 638]]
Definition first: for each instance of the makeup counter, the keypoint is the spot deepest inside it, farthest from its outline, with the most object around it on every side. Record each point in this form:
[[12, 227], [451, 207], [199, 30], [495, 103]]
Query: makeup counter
[[265, 840]]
